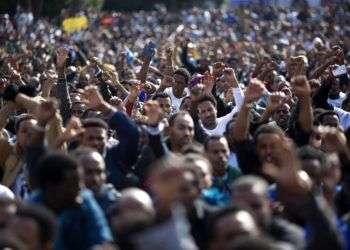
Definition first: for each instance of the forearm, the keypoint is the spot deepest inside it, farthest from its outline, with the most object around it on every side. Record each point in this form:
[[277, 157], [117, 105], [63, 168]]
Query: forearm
[[142, 76], [305, 115], [266, 116], [26, 102], [63, 95], [318, 71], [241, 127], [5, 113]]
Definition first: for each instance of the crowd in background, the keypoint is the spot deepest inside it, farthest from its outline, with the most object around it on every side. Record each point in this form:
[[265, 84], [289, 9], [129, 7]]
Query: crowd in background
[[201, 129]]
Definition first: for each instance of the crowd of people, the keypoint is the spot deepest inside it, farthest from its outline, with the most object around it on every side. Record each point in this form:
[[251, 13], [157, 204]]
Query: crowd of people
[[204, 129]]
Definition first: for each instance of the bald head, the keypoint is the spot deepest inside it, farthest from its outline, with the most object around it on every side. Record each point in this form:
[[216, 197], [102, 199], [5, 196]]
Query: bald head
[[94, 169], [135, 200]]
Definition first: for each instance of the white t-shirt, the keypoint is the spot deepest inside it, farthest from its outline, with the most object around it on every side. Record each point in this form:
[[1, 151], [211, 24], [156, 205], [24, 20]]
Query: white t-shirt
[[222, 121], [176, 102], [344, 118], [337, 103]]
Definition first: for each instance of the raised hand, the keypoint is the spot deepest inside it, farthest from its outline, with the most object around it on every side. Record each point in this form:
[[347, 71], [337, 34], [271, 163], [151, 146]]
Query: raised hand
[[62, 55], [167, 81], [230, 77], [73, 129], [153, 112], [301, 86], [92, 97], [208, 82], [218, 69], [46, 111], [169, 52], [291, 180], [333, 140], [276, 100], [254, 91]]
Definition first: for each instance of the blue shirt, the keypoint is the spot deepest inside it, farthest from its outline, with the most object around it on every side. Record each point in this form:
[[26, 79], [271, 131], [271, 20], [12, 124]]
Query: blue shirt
[[81, 227]]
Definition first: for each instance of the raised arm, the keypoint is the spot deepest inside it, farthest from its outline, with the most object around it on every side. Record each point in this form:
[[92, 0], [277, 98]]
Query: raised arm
[[253, 93], [62, 86], [302, 90]]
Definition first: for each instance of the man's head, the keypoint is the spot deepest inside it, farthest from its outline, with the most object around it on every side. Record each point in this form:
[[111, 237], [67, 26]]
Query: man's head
[[78, 109], [181, 77], [281, 116], [164, 101], [266, 139], [251, 192], [218, 152], [335, 89], [207, 111], [94, 168], [329, 118], [312, 161], [203, 166], [171, 183], [23, 126], [34, 226], [181, 130], [229, 224], [60, 175], [95, 135]]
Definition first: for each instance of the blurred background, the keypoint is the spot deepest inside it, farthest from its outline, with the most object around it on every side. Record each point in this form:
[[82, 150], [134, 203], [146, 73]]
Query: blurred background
[[52, 8]]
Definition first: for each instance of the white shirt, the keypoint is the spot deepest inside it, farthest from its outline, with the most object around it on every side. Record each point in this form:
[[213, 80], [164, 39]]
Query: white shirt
[[176, 102], [337, 103], [344, 118], [222, 121]]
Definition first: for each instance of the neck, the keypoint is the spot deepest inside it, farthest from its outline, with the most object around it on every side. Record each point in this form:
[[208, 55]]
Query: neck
[[212, 126], [178, 93], [175, 147], [51, 201], [334, 96]]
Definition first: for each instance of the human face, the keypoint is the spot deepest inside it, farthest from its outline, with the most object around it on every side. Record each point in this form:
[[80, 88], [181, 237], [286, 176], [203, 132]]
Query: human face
[[207, 114], [180, 83], [188, 190], [182, 131], [165, 105], [23, 132], [266, 143], [94, 171], [186, 104], [26, 230], [218, 153], [335, 89], [95, 137], [232, 226], [257, 201], [78, 109], [331, 120], [282, 115]]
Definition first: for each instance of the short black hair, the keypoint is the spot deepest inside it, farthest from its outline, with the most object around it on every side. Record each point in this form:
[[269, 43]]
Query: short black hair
[[161, 95], [212, 138], [311, 153], [174, 116], [53, 167], [45, 220], [94, 123], [184, 72], [324, 114], [208, 98], [22, 118], [219, 214]]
